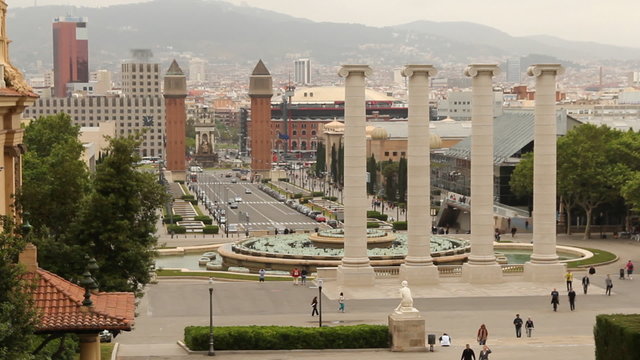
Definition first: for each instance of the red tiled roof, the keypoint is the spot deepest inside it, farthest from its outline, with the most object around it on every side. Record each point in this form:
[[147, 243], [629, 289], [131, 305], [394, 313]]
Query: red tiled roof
[[12, 92], [59, 304]]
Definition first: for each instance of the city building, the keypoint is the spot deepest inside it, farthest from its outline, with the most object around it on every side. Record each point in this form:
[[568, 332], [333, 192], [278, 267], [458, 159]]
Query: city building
[[175, 92], [70, 52], [197, 70], [302, 71], [95, 141], [514, 70], [457, 105]]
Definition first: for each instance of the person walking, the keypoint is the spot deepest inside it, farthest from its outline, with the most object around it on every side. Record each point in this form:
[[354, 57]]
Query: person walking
[[592, 270], [585, 284], [341, 302], [555, 299], [468, 354], [609, 284], [303, 276], [484, 353], [629, 267], [514, 230], [569, 277], [528, 327], [483, 334], [261, 274], [445, 340], [572, 300], [314, 306], [517, 322], [295, 273]]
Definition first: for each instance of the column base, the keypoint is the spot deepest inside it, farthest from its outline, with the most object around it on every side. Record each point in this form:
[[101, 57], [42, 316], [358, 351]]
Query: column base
[[89, 346], [552, 272], [420, 275], [356, 276], [482, 274], [178, 175], [407, 332]]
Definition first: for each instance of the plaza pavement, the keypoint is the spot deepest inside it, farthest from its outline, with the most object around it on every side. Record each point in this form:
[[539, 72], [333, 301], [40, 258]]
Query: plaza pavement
[[452, 307]]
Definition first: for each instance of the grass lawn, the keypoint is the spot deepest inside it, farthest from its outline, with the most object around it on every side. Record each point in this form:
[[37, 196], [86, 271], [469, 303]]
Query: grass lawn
[[599, 257], [222, 275]]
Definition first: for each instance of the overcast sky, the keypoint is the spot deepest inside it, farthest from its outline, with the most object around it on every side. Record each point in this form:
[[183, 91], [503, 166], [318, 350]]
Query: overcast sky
[[611, 22]]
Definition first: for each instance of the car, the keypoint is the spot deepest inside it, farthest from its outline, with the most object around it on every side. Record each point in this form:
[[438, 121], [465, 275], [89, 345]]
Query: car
[[106, 336], [332, 223], [234, 180], [232, 228], [238, 199], [223, 220], [320, 218], [313, 214], [228, 175], [282, 198], [233, 205], [247, 191]]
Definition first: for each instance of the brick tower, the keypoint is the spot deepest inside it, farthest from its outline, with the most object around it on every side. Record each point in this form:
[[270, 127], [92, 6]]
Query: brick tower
[[175, 91], [260, 92]]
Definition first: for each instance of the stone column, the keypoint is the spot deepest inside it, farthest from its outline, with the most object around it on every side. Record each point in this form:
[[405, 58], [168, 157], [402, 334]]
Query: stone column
[[89, 347], [544, 265], [355, 269], [418, 265], [482, 266]]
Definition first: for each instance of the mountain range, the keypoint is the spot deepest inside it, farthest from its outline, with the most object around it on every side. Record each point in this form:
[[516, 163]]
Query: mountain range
[[226, 33]]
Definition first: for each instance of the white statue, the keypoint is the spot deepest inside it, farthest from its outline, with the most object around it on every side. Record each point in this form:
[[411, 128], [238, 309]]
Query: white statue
[[406, 303]]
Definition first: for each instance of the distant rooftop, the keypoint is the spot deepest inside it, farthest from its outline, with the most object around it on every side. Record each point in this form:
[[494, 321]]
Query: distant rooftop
[[76, 19]]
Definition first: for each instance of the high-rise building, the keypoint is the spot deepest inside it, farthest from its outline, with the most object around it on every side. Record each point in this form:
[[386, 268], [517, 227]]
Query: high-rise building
[[140, 77], [514, 71], [175, 91], [197, 70], [70, 52], [302, 71], [260, 92]]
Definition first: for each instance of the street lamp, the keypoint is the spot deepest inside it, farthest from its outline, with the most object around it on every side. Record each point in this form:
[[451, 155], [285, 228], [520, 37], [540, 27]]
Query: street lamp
[[320, 302], [211, 351]]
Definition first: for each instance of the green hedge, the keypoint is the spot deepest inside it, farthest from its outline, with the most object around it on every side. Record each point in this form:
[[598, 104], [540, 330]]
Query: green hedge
[[264, 181], [317, 193], [304, 200], [187, 197], [204, 218], [175, 218], [399, 225], [210, 229], [283, 179], [330, 198], [373, 225], [377, 215], [287, 337], [177, 229], [617, 336], [297, 195]]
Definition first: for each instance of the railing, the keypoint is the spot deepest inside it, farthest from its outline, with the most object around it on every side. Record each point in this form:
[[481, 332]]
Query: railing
[[450, 270], [386, 271], [444, 270], [512, 268]]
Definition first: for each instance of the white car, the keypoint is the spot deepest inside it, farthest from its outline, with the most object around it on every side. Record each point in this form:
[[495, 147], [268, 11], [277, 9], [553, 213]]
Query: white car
[[233, 205], [247, 191], [238, 199], [232, 228]]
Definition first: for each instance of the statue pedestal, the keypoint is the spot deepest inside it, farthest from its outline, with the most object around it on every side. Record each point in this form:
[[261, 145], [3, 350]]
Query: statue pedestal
[[407, 332]]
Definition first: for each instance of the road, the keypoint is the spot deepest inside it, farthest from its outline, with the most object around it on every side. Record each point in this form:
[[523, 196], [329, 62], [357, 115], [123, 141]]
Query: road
[[256, 210]]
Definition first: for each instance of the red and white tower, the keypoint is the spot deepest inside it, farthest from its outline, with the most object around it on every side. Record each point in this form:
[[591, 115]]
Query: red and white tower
[[260, 92], [175, 91]]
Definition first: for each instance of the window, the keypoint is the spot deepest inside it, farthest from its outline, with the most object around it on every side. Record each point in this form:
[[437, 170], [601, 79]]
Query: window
[[395, 153], [294, 132], [304, 132], [386, 153]]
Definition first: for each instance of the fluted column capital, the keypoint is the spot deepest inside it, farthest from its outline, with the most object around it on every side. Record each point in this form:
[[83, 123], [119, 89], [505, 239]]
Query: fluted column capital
[[538, 69], [474, 70], [346, 70], [411, 70]]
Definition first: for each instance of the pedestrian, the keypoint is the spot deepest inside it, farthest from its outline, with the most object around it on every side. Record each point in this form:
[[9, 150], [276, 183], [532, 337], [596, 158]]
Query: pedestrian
[[555, 299], [468, 354], [341, 302], [585, 283], [526, 225], [528, 326], [261, 274], [629, 267], [484, 353], [569, 277], [314, 306], [514, 231], [483, 334], [518, 324], [445, 340], [621, 272], [592, 270], [609, 284], [303, 276], [295, 273], [572, 300]]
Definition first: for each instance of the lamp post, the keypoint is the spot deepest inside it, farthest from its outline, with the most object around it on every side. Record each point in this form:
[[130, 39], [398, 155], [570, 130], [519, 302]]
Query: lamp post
[[211, 350], [320, 302]]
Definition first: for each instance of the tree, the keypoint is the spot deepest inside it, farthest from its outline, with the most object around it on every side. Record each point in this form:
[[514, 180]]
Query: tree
[[389, 171], [17, 310], [334, 164], [55, 179], [320, 159], [402, 180], [341, 164], [372, 169], [117, 222]]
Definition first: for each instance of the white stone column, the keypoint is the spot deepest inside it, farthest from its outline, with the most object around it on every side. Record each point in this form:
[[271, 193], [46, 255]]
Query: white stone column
[[355, 269], [544, 265], [482, 266], [418, 267]]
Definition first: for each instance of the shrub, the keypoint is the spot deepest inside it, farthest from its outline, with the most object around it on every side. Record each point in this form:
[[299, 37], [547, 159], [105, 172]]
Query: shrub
[[399, 225], [179, 181], [288, 337], [210, 229], [177, 229], [617, 336], [187, 197], [373, 225], [317, 193], [168, 219], [377, 215], [264, 181], [297, 195], [304, 200], [204, 218], [330, 198], [283, 179]]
